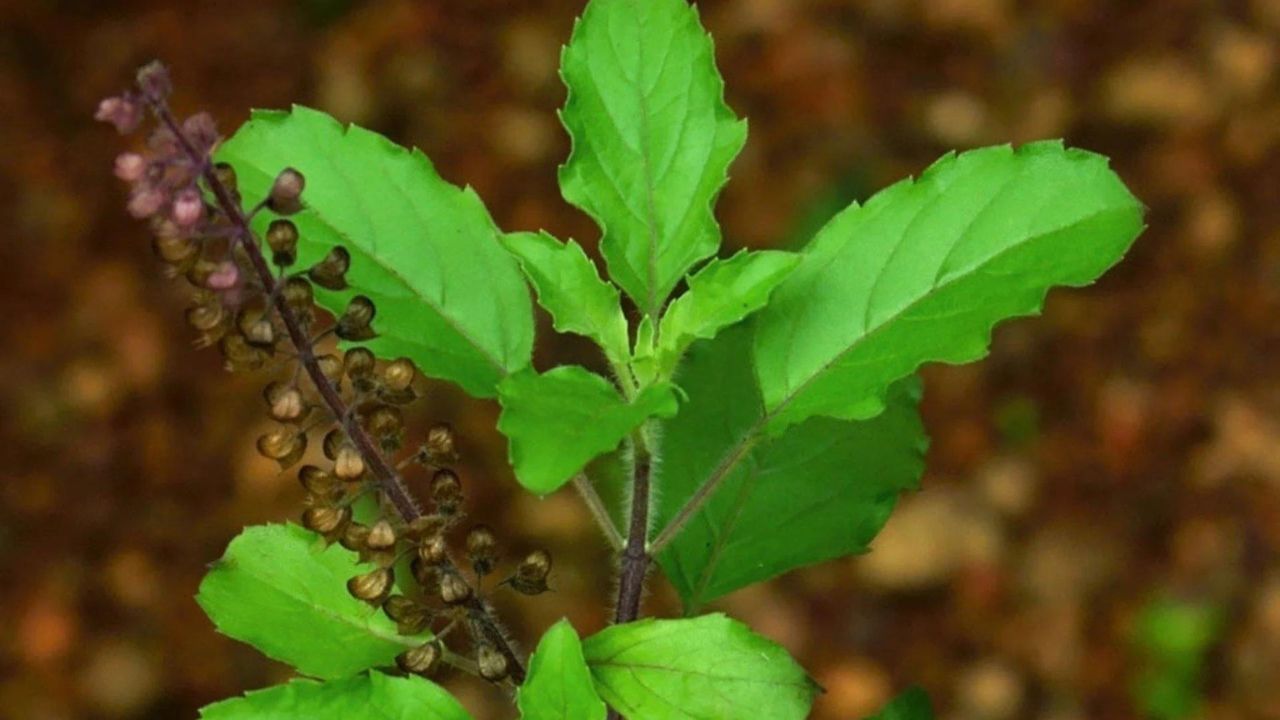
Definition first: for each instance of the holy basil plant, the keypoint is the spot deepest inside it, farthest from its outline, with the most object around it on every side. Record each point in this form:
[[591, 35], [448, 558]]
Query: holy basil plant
[[753, 412]]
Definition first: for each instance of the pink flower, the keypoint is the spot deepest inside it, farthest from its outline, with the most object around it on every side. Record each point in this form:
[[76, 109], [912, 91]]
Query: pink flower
[[123, 112], [145, 202], [188, 208], [130, 167], [226, 277]]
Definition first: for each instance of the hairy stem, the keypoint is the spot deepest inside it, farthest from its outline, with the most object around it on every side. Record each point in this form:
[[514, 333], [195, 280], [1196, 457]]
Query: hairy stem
[[635, 556], [388, 479]]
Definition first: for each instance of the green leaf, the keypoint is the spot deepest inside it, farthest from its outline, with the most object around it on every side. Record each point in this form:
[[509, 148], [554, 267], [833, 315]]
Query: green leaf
[[426, 252], [570, 288], [652, 139], [819, 491], [279, 589], [558, 421], [722, 293], [912, 704], [705, 667], [367, 695], [925, 269], [559, 683]]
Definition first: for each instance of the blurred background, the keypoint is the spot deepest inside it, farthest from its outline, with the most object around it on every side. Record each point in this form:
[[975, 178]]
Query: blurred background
[[1098, 532]]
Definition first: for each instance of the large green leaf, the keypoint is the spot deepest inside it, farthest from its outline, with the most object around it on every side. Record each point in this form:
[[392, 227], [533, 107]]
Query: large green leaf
[[912, 704], [369, 695], [695, 669], [925, 269], [821, 490], [426, 252], [570, 288], [652, 139], [560, 420], [559, 683], [720, 294], [279, 589]]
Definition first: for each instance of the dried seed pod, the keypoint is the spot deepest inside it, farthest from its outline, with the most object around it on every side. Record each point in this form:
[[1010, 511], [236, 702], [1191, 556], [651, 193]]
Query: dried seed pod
[[446, 490], [282, 238], [482, 549], [206, 316], [316, 481], [226, 175], [174, 249], [286, 192], [492, 664], [381, 536], [372, 587], [421, 660], [428, 576], [284, 445], [440, 445], [355, 321], [330, 367], [240, 355], [284, 402], [434, 550], [255, 324], [334, 440], [328, 521], [349, 465], [355, 537], [298, 293], [531, 574], [359, 363], [410, 616], [331, 272], [425, 526], [453, 589], [387, 424], [398, 375]]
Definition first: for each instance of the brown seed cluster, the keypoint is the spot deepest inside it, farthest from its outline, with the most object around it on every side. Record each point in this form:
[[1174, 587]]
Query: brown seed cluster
[[253, 303]]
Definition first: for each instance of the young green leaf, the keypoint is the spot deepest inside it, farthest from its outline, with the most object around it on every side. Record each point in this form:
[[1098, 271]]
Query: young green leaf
[[558, 421], [722, 293], [559, 683], [705, 667], [652, 139], [426, 252], [912, 704], [278, 590], [925, 269], [362, 696], [570, 288], [820, 491]]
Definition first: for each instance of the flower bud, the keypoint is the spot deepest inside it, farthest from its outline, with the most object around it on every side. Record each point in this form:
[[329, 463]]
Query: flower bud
[[130, 167], [531, 574], [440, 445], [372, 587], [328, 521], [453, 589], [330, 273], [355, 321], [188, 207], [446, 490], [124, 112], [381, 536], [492, 664], [482, 549], [146, 201], [420, 660], [286, 192], [398, 375], [201, 132], [153, 79], [284, 402], [349, 465], [282, 238]]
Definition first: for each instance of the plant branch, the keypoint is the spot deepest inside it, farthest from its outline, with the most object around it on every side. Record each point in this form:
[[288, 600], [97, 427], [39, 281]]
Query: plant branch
[[389, 481], [635, 556], [596, 505]]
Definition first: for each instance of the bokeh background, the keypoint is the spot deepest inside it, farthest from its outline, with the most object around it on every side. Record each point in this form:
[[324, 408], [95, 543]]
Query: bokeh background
[[1098, 532]]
